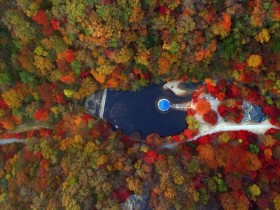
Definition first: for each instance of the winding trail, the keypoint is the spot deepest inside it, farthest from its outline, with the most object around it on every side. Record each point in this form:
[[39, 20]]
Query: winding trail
[[11, 140]]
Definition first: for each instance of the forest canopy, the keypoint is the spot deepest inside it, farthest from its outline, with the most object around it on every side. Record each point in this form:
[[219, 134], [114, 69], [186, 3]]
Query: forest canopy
[[54, 53]]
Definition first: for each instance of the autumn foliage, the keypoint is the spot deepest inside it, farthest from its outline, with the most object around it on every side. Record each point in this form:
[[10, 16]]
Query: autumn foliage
[[56, 53]]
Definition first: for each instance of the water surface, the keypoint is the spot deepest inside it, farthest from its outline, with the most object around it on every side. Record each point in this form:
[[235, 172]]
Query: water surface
[[137, 111]]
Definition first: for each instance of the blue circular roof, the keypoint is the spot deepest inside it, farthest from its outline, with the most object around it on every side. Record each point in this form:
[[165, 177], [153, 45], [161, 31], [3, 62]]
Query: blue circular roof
[[164, 104]]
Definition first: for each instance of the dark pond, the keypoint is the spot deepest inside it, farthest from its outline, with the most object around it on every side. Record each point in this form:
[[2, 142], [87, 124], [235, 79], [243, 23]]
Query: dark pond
[[137, 111]]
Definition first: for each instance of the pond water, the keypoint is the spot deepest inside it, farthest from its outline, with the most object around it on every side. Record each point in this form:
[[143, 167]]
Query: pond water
[[140, 111]]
